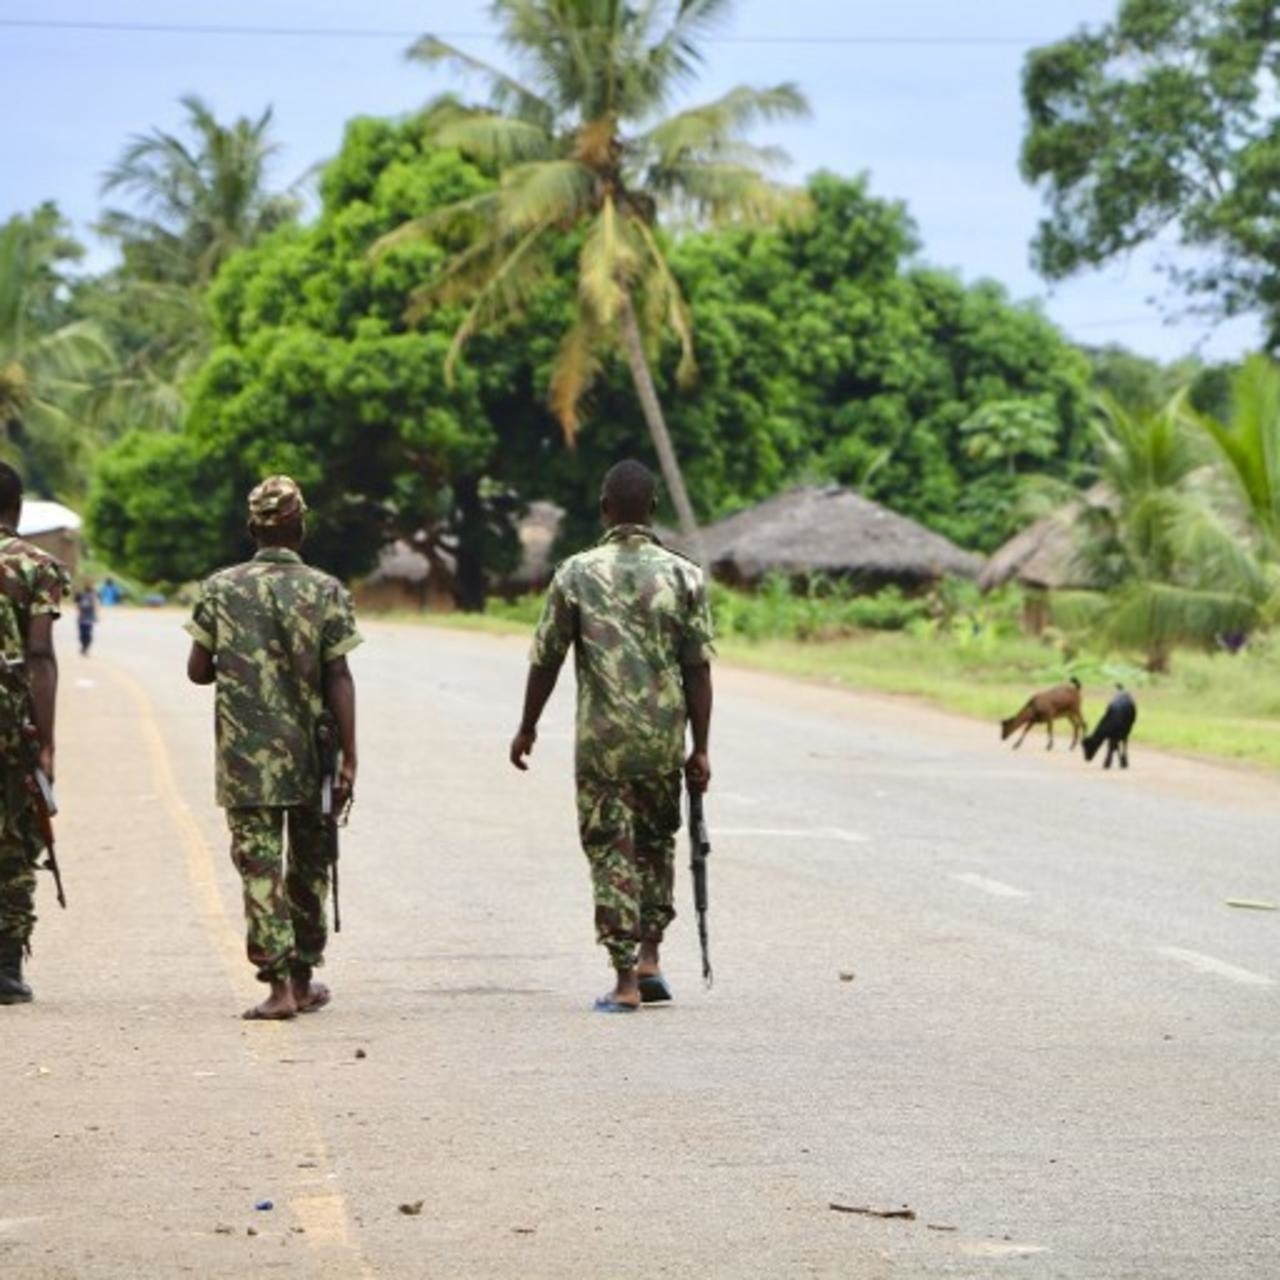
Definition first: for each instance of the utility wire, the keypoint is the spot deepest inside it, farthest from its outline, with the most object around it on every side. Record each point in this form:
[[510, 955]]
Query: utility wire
[[374, 33]]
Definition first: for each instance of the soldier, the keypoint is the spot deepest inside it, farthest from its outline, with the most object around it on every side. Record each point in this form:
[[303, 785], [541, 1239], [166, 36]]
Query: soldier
[[32, 587], [273, 634], [636, 617]]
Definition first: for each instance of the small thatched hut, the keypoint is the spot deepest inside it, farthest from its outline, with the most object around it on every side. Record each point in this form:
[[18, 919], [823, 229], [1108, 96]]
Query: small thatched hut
[[412, 575], [404, 579], [53, 528], [537, 530], [834, 532], [1045, 556]]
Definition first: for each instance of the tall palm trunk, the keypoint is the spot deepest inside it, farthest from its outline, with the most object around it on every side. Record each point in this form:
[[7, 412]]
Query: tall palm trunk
[[652, 409]]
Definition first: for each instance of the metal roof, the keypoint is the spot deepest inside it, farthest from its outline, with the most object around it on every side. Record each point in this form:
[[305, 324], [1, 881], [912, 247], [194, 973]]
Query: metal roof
[[46, 517]]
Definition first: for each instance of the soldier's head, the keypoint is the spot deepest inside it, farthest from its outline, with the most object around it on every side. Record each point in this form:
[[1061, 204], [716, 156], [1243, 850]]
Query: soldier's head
[[629, 494], [278, 513], [10, 496]]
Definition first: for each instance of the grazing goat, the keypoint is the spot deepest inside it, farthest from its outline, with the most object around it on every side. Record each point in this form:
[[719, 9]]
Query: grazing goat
[[1114, 729], [1044, 708]]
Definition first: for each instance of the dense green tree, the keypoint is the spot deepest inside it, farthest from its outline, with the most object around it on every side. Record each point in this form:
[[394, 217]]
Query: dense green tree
[[315, 373], [1164, 122], [824, 354], [161, 510], [587, 162], [828, 354]]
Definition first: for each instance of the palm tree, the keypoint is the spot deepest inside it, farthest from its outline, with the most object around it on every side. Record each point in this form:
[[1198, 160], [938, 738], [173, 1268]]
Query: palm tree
[[1167, 544], [586, 161], [201, 200], [50, 377], [1249, 447]]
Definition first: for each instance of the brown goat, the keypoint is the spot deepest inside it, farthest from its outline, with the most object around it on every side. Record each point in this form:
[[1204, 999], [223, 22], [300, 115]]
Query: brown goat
[[1044, 708]]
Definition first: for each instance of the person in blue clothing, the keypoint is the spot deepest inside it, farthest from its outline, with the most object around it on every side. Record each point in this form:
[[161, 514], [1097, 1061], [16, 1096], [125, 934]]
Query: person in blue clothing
[[86, 616]]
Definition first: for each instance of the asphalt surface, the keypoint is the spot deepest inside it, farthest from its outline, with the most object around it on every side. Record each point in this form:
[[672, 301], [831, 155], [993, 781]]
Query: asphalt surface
[[1058, 1046]]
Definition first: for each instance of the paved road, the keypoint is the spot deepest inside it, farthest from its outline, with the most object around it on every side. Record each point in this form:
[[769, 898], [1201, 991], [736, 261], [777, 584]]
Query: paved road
[[1058, 1044]]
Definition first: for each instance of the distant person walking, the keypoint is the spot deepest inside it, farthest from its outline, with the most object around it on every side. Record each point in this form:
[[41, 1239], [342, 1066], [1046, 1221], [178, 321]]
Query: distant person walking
[[86, 616], [635, 615], [32, 588], [273, 635]]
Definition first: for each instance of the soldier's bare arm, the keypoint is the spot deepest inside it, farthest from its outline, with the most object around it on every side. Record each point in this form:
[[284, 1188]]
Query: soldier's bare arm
[[697, 701], [538, 688], [201, 667], [340, 698], [42, 672]]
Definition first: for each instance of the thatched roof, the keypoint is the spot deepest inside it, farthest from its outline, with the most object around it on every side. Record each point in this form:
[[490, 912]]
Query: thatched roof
[[833, 531], [403, 562], [1045, 554], [400, 561], [537, 529]]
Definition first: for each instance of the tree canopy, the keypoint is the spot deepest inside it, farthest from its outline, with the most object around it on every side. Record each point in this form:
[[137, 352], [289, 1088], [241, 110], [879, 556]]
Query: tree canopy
[[314, 372], [825, 353], [1163, 123]]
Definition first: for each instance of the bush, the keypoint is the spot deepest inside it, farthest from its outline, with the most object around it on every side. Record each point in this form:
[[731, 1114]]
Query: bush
[[821, 610]]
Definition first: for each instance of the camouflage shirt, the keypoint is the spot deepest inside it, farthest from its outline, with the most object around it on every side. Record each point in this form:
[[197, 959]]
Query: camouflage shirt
[[271, 623], [635, 614], [32, 583]]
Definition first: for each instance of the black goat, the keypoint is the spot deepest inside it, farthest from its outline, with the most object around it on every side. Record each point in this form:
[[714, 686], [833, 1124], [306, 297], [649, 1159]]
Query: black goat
[[1114, 729]]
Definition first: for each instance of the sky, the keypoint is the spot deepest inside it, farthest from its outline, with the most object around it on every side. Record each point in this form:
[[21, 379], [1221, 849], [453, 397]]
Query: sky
[[923, 95]]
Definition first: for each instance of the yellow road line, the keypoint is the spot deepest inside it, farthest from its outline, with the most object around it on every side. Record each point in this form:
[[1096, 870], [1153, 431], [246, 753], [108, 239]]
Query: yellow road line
[[319, 1209]]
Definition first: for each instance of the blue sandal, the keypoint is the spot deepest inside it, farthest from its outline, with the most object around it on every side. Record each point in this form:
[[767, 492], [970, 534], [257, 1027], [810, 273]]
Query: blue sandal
[[607, 1004]]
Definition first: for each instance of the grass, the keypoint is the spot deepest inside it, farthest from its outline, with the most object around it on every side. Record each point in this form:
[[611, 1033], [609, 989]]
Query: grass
[[969, 657]]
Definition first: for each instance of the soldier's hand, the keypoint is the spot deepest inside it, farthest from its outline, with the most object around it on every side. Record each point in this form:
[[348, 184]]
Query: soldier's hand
[[697, 771], [521, 746], [46, 762], [345, 786]]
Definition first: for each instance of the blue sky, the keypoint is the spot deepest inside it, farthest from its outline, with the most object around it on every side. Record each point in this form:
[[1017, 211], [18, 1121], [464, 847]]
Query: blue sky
[[932, 112]]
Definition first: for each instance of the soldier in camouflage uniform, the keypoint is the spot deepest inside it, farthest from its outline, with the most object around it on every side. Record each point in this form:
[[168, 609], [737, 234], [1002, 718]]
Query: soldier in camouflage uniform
[[273, 634], [636, 616], [32, 588]]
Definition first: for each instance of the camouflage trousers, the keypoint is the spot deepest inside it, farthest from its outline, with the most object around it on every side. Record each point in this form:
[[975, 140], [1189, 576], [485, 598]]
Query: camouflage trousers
[[284, 910], [20, 848], [628, 828]]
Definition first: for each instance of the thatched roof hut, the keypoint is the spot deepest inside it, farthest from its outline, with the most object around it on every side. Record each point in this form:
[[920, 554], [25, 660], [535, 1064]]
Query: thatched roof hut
[[405, 578], [537, 530], [415, 575], [1046, 554], [835, 532]]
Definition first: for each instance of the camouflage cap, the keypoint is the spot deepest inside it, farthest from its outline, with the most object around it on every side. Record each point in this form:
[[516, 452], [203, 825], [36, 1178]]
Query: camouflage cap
[[275, 501]]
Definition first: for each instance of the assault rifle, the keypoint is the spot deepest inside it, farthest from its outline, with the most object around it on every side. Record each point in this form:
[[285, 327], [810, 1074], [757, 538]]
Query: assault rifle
[[41, 792], [330, 752], [699, 849], [36, 780]]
